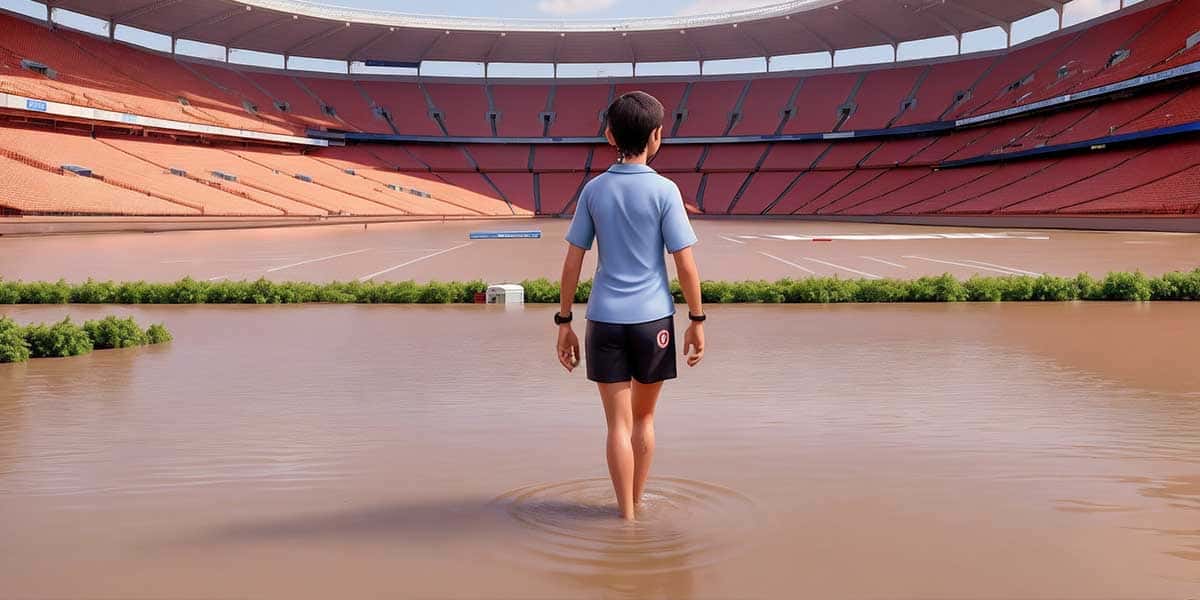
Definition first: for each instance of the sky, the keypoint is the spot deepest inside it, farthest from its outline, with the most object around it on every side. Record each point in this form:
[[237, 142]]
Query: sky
[[1046, 22]]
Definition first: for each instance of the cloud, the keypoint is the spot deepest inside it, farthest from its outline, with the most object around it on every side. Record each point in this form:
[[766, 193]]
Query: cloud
[[573, 7], [702, 7]]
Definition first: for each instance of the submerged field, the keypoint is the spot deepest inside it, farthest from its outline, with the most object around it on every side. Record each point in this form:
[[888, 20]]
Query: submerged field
[[729, 250], [965, 450], [949, 450]]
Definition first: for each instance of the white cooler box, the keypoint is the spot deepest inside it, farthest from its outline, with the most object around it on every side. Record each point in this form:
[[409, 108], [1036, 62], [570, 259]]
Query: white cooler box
[[505, 293]]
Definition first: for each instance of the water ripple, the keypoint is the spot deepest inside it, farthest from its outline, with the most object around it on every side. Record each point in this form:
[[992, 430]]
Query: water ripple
[[573, 526]]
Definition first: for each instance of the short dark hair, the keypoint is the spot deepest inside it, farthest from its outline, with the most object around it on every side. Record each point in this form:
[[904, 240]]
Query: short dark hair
[[632, 118]]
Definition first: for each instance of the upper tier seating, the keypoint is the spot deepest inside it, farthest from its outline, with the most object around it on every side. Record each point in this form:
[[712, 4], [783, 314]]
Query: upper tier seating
[[100, 73], [519, 109]]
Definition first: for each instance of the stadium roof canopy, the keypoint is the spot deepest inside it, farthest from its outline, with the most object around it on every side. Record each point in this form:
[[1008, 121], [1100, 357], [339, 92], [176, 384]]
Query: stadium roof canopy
[[298, 28]]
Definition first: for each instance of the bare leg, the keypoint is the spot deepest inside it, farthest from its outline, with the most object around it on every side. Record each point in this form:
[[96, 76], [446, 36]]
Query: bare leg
[[645, 397], [618, 412]]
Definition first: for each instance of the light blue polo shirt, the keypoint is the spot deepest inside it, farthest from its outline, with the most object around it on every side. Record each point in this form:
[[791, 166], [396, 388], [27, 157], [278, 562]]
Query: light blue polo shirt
[[634, 214]]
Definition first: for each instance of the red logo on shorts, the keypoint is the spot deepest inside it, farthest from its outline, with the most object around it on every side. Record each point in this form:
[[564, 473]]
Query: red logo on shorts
[[664, 338]]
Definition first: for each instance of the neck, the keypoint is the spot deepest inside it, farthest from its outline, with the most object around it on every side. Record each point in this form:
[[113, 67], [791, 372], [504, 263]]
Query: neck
[[640, 159]]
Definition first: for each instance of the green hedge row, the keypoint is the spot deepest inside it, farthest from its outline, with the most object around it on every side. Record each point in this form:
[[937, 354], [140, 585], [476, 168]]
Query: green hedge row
[[943, 288], [65, 338]]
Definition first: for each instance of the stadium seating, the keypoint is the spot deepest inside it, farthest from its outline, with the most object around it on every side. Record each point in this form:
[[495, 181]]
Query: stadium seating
[[820, 102], [881, 98], [763, 108], [897, 173], [939, 89], [464, 108], [710, 108], [407, 105], [519, 109], [347, 102], [577, 110], [210, 197], [34, 189]]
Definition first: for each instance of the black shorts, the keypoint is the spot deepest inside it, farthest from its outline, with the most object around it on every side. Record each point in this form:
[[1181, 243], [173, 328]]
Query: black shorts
[[617, 353]]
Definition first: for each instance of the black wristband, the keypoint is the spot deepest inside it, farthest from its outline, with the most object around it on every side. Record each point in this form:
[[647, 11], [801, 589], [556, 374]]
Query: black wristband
[[697, 318], [561, 320]]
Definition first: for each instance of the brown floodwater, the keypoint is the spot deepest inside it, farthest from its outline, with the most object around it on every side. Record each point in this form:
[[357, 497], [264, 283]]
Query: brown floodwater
[[729, 249], [899, 451]]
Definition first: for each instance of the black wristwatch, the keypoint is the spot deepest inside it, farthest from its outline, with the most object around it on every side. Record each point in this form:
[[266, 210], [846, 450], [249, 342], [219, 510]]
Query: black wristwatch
[[697, 318], [561, 320]]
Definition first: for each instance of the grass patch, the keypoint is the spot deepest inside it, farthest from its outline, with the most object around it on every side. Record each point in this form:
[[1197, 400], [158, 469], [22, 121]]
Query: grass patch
[[942, 288]]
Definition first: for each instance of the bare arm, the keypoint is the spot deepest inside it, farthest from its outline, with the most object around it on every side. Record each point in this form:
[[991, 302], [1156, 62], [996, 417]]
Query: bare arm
[[689, 283], [689, 280], [568, 343], [570, 278]]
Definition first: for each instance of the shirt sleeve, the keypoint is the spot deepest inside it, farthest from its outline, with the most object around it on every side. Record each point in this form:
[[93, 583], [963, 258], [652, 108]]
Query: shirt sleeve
[[676, 229], [582, 231]]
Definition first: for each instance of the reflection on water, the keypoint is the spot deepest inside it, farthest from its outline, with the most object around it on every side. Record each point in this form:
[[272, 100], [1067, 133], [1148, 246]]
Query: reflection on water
[[882, 451]]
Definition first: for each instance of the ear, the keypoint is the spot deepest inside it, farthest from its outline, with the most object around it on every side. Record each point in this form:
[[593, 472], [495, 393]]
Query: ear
[[609, 136], [657, 135]]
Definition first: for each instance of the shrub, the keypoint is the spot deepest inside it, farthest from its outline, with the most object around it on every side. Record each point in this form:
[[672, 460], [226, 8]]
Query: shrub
[[10, 292], [158, 334], [94, 292], [57, 341], [436, 293], [1087, 288], [1126, 286], [184, 291], [1054, 289], [13, 347], [584, 291], [41, 292], [984, 289], [943, 288], [881, 290], [541, 291], [111, 332], [817, 290]]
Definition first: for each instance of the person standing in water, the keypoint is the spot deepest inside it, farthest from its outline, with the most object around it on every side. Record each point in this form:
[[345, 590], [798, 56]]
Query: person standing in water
[[634, 214]]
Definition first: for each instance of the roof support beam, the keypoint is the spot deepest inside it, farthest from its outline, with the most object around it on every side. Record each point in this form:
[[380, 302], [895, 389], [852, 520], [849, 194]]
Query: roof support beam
[[437, 39], [356, 53], [257, 30], [487, 56], [951, 29], [816, 36], [215, 20], [891, 39], [316, 38], [144, 10], [985, 17]]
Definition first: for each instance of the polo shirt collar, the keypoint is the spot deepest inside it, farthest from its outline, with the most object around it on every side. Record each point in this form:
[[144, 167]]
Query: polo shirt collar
[[630, 168]]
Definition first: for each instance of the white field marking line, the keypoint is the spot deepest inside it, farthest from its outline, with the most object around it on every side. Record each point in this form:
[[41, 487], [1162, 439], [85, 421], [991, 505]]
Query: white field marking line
[[1013, 269], [728, 239], [789, 263], [959, 264], [855, 271], [415, 260], [880, 260], [313, 260], [217, 260]]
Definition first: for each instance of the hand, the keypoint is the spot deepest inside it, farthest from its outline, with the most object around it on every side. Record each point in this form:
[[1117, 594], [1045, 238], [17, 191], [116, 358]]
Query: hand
[[568, 347], [693, 343]]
